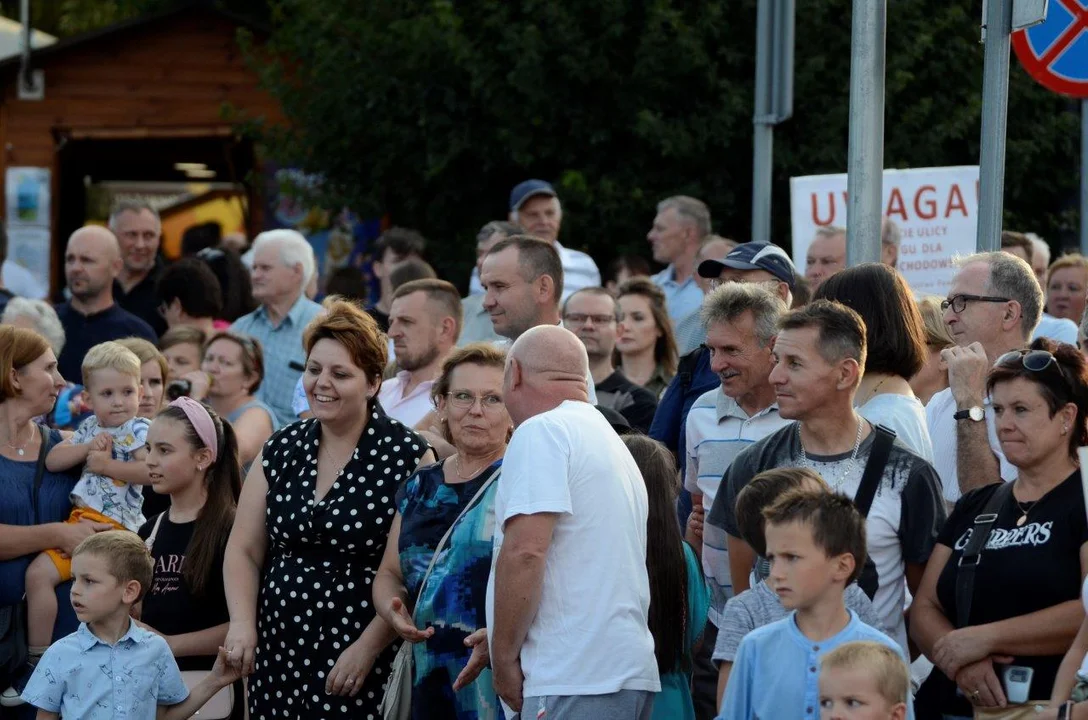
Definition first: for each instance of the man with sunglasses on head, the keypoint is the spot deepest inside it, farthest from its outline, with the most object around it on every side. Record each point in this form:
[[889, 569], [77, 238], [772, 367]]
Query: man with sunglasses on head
[[992, 308]]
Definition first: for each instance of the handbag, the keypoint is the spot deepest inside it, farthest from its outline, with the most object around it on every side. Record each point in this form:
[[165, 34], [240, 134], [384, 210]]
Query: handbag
[[221, 705], [397, 700], [13, 641], [965, 591]]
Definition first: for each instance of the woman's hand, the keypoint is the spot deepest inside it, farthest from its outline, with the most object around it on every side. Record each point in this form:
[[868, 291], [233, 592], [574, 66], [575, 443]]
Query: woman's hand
[[199, 383], [349, 673], [404, 625], [980, 684], [481, 656], [69, 535], [959, 648], [241, 646], [508, 681]]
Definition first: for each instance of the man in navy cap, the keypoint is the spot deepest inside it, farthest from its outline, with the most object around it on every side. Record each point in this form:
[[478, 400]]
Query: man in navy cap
[[535, 206], [754, 262]]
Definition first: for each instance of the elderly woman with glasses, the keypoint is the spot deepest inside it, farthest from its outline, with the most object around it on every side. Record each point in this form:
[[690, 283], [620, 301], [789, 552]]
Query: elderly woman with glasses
[[1017, 605], [456, 496]]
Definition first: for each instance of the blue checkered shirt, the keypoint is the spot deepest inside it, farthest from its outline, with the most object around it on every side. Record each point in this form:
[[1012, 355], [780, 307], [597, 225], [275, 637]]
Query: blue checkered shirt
[[284, 358]]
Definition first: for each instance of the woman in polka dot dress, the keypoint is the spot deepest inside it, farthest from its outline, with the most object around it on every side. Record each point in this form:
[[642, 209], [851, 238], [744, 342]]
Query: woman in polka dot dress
[[310, 532]]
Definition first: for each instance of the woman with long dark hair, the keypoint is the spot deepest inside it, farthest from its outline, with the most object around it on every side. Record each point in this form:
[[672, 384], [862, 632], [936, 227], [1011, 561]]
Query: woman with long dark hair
[[679, 596], [645, 342], [193, 458]]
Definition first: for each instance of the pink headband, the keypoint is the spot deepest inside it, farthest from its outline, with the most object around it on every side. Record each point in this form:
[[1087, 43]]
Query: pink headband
[[201, 421]]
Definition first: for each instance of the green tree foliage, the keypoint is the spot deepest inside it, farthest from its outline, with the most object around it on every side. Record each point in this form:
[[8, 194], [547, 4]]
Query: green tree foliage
[[431, 111]]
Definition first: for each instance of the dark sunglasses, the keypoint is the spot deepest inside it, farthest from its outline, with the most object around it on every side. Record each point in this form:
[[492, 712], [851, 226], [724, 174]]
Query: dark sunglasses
[[1036, 361]]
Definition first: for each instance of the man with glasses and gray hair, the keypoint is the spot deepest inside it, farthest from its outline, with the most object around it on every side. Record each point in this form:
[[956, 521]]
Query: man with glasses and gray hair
[[477, 321], [283, 263], [679, 227], [993, 307]]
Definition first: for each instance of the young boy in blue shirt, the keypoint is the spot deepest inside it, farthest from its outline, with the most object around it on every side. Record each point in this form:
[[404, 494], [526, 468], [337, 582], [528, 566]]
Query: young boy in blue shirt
[[816, 547], [864, 681], [111, 667]]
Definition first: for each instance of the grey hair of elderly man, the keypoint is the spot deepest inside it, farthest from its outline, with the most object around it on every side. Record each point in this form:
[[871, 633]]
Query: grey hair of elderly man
[[546, 366]]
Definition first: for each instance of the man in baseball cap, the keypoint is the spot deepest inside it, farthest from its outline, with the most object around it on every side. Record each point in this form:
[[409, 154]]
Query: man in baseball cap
[[753, 262], [534, 205]]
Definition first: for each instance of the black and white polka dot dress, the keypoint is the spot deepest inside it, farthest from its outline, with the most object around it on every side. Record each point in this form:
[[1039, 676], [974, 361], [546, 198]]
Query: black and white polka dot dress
[[315, 597]]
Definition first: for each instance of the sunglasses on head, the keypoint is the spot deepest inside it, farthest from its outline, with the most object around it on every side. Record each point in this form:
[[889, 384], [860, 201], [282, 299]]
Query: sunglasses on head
[[1036, 361]]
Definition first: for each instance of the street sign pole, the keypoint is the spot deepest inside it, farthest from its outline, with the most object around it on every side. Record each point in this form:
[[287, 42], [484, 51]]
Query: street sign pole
[[773, 102], [865, 161], [1084, 177], [995, 105]]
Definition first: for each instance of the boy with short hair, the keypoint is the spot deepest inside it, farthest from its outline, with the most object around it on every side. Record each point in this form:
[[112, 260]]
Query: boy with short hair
[[760, 605], [816, 546], [863, 681], [111, 667], [110, 446]]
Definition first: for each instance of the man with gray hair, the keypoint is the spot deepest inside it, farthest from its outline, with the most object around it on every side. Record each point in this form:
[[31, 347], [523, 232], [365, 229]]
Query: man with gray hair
[[139, 232], [568, 626], [741, 322], [992, 308], [679, 227], [890, 237], [283, 263]]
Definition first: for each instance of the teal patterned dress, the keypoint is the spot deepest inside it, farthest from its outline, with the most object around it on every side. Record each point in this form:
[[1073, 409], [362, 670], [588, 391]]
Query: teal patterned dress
[[453, 599]]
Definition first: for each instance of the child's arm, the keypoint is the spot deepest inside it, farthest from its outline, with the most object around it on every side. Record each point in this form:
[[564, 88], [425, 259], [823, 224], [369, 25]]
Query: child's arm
[[133, 472], [46, 715], [66, 455], [220, 676]]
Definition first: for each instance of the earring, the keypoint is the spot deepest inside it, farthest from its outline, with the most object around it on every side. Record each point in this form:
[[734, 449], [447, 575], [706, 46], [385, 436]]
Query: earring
[[1065, 429]]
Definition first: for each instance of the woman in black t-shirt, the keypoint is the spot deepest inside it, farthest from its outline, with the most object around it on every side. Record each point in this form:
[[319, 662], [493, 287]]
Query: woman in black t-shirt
[[1025, 608], [186, 602]]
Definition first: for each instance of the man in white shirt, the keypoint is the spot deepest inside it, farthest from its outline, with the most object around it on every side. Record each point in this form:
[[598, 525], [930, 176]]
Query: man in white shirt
[[741, 326], [535, 207], [424, 323], [993, 307], [679, 227], [568, 597]]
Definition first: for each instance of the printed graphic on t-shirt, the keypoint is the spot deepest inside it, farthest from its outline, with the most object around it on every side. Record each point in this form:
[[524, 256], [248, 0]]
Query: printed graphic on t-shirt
[[168, 569], [1034, 534]]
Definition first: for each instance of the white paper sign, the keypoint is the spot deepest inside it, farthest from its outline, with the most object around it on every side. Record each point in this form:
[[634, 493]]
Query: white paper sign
[[936, 210], [29, 247], [28, 195]]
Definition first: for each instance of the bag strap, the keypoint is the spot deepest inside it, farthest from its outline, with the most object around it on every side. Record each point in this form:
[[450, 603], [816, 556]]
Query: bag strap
[[449, 531], [874, 469], [150, 542], [39, 474], [972, 553]]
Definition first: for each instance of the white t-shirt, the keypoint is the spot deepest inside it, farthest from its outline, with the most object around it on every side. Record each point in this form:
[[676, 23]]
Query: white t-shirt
[[903, 414], [942, 431], [590, 634], [1059, 329]]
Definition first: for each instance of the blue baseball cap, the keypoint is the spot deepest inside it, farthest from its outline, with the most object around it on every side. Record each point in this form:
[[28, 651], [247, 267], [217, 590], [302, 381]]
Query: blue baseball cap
[[530, 188], [753, 256]]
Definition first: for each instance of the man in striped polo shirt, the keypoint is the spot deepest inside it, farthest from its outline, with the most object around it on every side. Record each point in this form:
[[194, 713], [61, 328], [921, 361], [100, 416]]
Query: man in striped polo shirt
[[741, 322]]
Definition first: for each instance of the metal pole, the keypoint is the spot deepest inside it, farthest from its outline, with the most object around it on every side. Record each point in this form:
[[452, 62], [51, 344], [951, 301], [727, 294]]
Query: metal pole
[[995, 106], [864, 183], [763, 138], [1084, 176]]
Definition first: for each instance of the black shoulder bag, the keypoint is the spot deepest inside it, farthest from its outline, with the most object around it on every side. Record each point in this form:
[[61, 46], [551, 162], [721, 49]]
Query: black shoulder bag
[[972, 553], [870, 482], [13, 647]]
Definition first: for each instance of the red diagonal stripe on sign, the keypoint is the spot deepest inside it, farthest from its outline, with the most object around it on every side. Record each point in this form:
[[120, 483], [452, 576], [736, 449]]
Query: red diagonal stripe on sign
[[1080, 24]]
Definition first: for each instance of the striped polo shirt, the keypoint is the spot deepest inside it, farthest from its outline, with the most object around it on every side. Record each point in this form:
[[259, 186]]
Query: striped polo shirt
[[718, 429]]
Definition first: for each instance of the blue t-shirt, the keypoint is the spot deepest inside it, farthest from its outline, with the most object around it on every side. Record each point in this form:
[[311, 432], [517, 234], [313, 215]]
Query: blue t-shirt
[[82, 332], [674, 701], [54, 505], [777, 670]]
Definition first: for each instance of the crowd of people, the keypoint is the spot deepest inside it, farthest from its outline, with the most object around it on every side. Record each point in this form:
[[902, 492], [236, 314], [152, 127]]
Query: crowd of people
[[731, 489]]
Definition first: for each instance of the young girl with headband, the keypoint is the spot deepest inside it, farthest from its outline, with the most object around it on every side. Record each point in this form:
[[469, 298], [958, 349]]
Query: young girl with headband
[[193, 458]]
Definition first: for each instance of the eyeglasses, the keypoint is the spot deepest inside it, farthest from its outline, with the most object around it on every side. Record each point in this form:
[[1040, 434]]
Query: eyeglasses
[[958, 303], [1036, 361], [580, 319], [466, 400]]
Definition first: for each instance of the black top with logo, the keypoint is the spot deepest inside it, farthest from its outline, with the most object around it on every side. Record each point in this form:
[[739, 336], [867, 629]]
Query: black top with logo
[[169, 607], [1023, 568]]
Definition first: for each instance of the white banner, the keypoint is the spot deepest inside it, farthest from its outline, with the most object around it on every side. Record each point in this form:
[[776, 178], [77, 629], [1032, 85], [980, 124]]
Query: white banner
[[936, 210]]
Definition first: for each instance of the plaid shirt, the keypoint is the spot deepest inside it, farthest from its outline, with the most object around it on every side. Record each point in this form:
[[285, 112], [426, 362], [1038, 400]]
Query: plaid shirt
[[284, 358]]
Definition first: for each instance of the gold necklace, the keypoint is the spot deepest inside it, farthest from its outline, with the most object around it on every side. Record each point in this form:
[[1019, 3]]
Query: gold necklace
[[876, 390], [457, 467]]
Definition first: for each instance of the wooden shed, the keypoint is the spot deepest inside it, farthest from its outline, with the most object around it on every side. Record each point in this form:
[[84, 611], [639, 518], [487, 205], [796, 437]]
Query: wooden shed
[[136, 105]]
